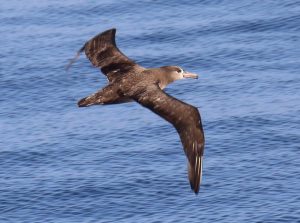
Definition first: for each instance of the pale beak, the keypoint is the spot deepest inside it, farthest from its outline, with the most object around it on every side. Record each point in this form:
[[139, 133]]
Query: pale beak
[[190, 75]]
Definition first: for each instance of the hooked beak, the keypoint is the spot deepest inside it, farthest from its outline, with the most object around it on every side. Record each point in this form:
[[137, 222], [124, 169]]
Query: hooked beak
[[190, 75]]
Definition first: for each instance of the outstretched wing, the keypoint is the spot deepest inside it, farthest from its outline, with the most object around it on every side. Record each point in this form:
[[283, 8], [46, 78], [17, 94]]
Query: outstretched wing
[[103, 53], [186, 119]]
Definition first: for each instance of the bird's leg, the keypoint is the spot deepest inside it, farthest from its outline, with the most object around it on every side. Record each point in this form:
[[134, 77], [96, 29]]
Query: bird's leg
[[107, 95]]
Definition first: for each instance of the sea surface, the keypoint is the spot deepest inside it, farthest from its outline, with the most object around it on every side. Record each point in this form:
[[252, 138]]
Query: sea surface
[[122, 163]]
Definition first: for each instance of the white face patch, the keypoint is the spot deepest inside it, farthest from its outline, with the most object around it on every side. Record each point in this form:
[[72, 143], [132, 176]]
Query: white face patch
[[181, 71]]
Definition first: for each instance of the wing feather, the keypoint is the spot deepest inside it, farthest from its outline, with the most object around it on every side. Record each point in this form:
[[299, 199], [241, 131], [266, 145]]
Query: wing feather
[[103, 53], [187, 121]]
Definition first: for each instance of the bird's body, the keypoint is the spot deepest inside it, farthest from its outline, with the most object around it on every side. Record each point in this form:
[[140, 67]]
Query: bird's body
[[129, 81]]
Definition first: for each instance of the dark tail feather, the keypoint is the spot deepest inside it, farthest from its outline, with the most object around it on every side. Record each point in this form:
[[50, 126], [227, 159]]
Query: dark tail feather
[[90, 100], [75, 58], [195, 173]]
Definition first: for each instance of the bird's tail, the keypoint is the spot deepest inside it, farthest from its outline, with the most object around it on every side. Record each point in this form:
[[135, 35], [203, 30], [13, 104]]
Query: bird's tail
[[195, 173], [75, 58]]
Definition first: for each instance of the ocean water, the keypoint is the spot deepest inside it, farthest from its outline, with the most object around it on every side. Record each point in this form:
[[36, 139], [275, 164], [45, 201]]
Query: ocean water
[[122, 163]]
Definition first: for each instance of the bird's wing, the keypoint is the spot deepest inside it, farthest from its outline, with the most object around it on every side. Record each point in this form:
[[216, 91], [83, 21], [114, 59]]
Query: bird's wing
[[186, 119], [103, 53]]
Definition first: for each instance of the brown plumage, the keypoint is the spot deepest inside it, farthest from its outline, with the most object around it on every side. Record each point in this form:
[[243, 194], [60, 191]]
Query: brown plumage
[[130, 82]]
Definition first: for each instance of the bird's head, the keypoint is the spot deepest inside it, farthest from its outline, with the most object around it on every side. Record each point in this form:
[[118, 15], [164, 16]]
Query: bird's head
[[169, 74], [176, 73]]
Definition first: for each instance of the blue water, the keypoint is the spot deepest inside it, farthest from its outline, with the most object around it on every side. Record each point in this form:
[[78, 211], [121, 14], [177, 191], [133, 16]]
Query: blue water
[[122, 163]]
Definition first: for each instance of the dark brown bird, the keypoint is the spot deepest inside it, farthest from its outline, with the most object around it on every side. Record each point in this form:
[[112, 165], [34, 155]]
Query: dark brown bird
[[128, 81]]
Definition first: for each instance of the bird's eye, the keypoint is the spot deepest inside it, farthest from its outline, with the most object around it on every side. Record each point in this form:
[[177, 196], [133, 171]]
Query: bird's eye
[[180, 71]]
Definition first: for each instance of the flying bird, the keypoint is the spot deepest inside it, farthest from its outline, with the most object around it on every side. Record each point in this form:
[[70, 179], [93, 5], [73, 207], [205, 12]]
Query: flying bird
[[128, 81]]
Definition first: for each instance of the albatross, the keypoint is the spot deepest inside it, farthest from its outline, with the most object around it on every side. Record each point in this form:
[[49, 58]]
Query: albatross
[[128, 81]]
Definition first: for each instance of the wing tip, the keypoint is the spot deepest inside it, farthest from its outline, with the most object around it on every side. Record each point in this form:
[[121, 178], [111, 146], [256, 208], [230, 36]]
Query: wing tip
[[112, 33], [195, 174], [109, 31], [195, 189]]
